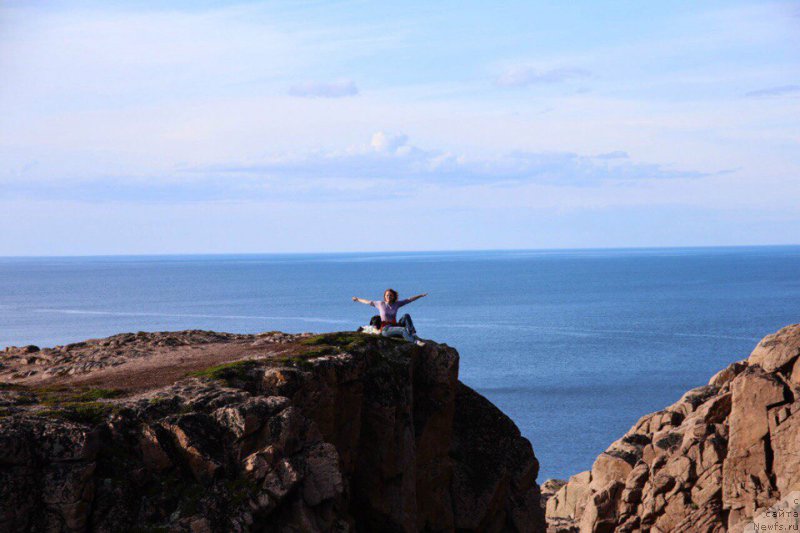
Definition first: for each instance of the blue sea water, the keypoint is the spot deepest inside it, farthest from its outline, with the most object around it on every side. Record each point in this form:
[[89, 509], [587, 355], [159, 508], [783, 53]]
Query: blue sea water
[[575, 346]]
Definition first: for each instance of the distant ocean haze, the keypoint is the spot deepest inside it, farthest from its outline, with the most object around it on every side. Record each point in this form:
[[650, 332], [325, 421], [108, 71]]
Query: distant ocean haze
[[574, 345]]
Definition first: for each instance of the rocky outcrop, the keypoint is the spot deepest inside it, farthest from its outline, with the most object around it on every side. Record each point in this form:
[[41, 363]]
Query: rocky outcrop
[[711, 462], [338, 432]]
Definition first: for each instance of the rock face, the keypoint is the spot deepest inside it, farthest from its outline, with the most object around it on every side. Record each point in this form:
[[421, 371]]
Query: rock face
[[338, 432], [710, 462]]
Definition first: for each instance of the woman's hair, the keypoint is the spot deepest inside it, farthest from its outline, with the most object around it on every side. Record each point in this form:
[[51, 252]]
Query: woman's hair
[[393, 295]]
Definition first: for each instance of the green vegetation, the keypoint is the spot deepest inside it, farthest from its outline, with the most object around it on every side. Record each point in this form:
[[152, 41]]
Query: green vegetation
[[26, 398], [80, 412], [319, 352], [325, 344], [159, 401], [299, 362], [381, 359], [228, 372], [60, 395], [79, 405], [18, 394], [345, 341], [340, 339]]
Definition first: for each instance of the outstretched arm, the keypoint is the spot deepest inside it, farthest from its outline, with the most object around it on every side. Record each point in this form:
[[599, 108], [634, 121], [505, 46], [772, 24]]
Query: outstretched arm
[[415, 298], [362, 300]]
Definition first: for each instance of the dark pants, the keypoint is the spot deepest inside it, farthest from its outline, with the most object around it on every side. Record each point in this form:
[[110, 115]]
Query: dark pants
[[404, 328]]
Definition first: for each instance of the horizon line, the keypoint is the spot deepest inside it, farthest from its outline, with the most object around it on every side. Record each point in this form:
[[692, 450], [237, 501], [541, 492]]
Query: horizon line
[[441, 251]]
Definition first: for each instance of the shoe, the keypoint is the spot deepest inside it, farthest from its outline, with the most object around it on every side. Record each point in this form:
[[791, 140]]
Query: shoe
[[420, 343]]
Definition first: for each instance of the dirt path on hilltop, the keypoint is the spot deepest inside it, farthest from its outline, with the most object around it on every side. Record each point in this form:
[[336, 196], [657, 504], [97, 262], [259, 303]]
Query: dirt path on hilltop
[[164, 366]]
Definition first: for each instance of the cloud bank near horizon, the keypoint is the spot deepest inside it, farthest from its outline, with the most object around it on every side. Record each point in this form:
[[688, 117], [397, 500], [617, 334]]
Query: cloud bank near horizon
[[394, 158], [386, 165]]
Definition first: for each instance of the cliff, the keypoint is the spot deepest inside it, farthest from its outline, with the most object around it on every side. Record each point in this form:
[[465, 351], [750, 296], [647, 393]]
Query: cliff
[[721, 455], [200, 431]]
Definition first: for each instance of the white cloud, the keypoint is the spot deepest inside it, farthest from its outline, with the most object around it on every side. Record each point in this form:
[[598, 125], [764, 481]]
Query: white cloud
[[381, 168], [320, 89], [393, 158], [382, 142], [782, 90], [526, 75]]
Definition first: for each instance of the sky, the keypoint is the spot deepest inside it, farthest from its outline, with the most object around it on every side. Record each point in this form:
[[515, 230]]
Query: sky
[[305, 126]]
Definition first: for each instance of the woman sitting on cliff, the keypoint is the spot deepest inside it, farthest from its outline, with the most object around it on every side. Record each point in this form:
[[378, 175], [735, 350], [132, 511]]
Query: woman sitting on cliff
[[390, 326]]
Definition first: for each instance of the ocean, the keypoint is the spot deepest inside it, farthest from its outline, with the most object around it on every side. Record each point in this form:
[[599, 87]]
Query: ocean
[[575, 346]]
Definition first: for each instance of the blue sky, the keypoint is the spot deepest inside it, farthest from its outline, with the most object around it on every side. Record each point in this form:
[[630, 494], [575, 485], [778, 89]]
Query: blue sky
[[217, 127]]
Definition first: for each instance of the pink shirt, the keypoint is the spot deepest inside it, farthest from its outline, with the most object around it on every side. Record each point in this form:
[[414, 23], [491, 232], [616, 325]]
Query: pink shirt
[[388, 311]]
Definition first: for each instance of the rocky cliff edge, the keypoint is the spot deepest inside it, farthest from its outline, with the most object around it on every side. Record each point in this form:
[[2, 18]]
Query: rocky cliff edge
[[721, 455], [200, 431]]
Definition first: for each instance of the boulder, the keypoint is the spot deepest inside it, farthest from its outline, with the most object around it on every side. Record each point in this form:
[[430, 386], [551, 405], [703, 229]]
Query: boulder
[[778, 350]]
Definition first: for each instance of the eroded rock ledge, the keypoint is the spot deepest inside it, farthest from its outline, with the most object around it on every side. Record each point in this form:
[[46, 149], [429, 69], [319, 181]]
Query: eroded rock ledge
[[198, 431], [709, 463]]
